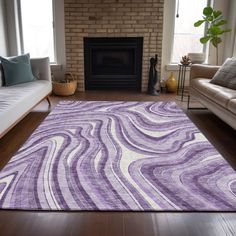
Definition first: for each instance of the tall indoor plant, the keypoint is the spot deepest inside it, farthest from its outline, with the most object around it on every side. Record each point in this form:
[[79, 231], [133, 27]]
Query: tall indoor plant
[[215, 24]]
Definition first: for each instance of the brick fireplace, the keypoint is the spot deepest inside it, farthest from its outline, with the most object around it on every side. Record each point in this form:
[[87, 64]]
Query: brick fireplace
[[112, 18]]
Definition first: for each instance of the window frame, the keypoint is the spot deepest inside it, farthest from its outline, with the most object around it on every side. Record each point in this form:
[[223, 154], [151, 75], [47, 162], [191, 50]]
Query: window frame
[[21, 38], [205, 46]]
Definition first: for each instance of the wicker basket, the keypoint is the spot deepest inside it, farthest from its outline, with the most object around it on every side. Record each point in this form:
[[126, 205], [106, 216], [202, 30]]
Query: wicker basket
[[66, 88]]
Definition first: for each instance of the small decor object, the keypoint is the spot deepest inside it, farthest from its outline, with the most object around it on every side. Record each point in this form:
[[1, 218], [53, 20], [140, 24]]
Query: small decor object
[[196, 58], [214, 28], [185, 60], [171, 84], [153, 77], [65, 87], [163, 85]]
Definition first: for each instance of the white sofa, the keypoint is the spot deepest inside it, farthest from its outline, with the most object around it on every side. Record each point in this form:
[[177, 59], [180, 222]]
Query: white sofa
[[18, 100]]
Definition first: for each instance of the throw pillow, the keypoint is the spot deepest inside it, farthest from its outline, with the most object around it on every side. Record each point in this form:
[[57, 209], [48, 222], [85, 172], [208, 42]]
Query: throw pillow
[[226, 75], [17, 70]]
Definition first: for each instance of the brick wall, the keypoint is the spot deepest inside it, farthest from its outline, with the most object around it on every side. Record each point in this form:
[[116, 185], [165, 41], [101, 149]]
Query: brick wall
[[112, 18]]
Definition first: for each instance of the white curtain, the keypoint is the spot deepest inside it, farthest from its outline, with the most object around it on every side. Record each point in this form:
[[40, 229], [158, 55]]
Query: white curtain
[[234, 50], [230, 49]]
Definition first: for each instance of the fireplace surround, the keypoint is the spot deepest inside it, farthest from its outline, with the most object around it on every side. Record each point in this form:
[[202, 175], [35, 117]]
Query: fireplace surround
[[113, 63], [113, 18]]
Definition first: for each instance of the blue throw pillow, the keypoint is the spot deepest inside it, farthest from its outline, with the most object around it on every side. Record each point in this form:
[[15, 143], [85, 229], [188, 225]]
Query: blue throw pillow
[[17, 70]]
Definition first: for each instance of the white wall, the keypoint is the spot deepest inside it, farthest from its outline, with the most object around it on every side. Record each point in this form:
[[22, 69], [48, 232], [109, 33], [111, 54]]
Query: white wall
[[59, 20], [3, 33], [60, 31], [168, 31]]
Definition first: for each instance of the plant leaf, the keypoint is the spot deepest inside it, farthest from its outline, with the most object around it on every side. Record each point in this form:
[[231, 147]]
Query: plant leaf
[[221, 22], [215, 30], [226, 30], [198, 23], [205, 39], [210, 18], [215, 41], [217, 13], [207, 11]]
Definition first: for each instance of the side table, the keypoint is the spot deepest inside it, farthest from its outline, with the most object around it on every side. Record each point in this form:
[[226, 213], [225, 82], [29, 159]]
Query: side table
[[181, 79]]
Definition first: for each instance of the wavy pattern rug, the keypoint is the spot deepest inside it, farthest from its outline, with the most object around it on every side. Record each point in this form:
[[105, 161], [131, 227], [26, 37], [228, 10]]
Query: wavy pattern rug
[[121, 156]]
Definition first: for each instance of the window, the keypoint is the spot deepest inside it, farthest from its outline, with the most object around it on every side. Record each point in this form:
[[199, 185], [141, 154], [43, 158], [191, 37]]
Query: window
[[37, 33], [186, 36]]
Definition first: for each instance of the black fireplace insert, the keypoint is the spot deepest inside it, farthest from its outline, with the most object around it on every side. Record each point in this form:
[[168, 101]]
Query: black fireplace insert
[[113, 63]]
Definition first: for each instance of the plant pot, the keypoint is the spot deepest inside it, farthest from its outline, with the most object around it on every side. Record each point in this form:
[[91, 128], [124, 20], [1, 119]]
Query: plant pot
[[197, 58], [64, 89]]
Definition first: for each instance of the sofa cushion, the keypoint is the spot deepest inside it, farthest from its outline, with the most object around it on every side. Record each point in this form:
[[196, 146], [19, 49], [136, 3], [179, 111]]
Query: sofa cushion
[[219, 94], [232, 106], [226, 75], [17, 70], [17, 100]]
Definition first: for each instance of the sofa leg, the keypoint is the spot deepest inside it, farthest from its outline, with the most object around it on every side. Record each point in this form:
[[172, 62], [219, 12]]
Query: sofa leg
[[49, 102], [194, 108]]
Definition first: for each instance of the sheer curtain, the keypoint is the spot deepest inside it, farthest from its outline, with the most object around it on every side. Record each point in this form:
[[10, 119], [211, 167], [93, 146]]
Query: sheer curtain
[[230, 49], [234, 43]]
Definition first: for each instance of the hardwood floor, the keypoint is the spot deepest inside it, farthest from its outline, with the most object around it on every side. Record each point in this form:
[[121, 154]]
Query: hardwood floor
[[129, 224]]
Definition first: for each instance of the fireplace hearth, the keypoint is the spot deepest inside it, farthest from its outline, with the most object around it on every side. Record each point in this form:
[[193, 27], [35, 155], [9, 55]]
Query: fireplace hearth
[[113, 63]]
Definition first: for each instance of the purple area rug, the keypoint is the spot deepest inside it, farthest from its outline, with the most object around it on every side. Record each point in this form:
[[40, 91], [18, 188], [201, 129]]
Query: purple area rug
[[121, 156]]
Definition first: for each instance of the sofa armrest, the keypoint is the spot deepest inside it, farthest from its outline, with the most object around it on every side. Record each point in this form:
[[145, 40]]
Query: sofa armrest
[[41, 68], [203, 71]]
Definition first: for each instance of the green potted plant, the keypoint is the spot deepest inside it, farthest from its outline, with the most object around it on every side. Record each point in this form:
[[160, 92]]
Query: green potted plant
[[215, 24]]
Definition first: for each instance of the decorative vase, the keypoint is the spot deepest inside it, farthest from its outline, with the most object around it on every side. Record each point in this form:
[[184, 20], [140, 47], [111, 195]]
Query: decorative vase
[[171, 84]]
